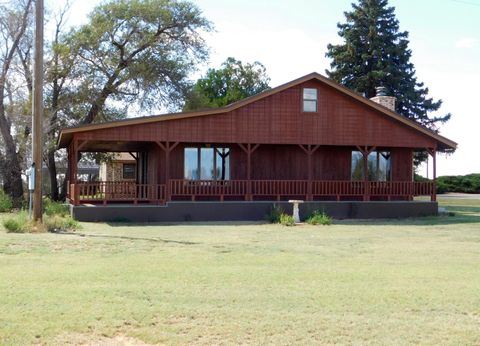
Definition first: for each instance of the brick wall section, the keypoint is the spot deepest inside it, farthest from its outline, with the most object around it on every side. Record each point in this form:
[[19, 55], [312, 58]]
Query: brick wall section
[[112, 171], [385, 101]]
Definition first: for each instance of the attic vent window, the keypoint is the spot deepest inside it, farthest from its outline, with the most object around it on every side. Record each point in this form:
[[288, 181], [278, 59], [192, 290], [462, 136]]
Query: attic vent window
[[309, 100]]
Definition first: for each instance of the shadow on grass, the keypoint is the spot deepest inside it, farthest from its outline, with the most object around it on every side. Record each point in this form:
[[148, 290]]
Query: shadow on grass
[[464, 212], [420, 221], [109, 236], [465, 209], [461, 215], [127, 223]]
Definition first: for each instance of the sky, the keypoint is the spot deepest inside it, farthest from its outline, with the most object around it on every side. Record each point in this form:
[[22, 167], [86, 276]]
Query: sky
[[289, 37]]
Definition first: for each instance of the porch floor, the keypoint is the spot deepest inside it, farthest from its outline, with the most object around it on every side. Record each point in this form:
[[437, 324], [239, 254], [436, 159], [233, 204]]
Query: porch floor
[[179, 211]]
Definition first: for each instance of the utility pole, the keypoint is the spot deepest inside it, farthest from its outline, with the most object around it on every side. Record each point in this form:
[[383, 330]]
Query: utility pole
[[38, 111]]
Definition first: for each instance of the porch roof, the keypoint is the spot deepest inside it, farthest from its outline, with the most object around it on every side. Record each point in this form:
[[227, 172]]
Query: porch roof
[[444, 144]]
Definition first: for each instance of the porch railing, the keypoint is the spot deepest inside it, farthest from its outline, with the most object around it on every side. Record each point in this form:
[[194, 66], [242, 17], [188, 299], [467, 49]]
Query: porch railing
[[110, 191], [207, 188], [278, 189], [246, 190]]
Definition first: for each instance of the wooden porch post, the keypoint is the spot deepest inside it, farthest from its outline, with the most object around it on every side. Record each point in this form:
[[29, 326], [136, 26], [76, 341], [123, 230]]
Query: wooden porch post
[[365, 152], [73, 169], [73, 176], [68, 173], [249, 151], [309, 151], [77, 147], [167, 148], [433, 152], [434, 195], [366, 191]]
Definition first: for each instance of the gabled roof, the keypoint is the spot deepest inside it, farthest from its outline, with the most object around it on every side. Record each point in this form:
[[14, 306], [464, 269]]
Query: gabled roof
[[445, 143]]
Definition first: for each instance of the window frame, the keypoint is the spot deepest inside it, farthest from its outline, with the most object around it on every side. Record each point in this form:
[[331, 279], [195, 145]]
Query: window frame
[[307, 99], [375, 157], [134, 165], [215, 151]]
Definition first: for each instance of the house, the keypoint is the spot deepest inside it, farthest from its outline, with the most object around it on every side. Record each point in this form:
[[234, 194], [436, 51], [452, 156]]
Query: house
[[309, 139], [121, 167]]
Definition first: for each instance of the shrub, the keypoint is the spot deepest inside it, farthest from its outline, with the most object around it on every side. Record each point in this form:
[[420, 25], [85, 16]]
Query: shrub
[[274, 215], [72, 224], [462, 183], [55, 208], [5, 202], [287, 220], [53, 222], [58, 223], [12, 225], [18, 223], [469, 183], [319, 218]]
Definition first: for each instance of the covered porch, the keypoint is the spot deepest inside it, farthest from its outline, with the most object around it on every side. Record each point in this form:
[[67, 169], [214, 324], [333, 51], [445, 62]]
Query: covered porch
[[174, 171]]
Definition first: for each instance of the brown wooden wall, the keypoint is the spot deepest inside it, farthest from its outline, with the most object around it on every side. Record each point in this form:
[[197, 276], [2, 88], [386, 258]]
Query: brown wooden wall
[[286, 162], [279, 125], [402, 164], [332, 163], [278, 119]]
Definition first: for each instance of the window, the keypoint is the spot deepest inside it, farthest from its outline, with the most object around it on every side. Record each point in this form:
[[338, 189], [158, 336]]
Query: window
[[128, 171], [207, 168], [357, 165], [207, 163], [309, 100], [379, 166], [191, 164]]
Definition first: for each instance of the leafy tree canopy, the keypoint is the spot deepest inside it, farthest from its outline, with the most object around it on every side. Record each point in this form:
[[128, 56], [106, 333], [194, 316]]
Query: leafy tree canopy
[[233, 82], [140, 50], [375, 53], [130, 52]]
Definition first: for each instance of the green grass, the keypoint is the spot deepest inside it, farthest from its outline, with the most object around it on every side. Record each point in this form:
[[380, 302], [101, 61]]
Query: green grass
[[413, 281]]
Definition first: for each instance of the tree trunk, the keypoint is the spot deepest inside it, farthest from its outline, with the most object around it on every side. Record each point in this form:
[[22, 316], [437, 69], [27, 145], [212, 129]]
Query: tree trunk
[[12, 172], [13, 181], [12, 163], [63, 191], [52, 173]]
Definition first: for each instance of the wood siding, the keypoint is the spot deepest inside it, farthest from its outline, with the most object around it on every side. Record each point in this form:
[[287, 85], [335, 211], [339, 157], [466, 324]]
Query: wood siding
[[278, 119], [281, 162], [402, 164]]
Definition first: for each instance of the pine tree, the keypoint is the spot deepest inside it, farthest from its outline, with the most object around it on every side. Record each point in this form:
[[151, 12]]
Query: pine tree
[[375, 53]]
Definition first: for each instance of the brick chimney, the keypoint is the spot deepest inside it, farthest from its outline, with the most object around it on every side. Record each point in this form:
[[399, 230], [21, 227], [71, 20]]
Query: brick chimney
[[383, 99]]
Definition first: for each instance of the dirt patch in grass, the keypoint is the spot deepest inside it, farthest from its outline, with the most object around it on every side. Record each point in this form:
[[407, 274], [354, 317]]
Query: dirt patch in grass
[[78, 339]]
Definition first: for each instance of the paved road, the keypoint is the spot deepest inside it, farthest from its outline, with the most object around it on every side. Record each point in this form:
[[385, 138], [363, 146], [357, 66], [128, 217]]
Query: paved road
[[460, 195]]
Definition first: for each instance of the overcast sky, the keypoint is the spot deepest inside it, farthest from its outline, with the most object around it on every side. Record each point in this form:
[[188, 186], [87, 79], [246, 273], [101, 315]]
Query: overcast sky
[[290, 37]]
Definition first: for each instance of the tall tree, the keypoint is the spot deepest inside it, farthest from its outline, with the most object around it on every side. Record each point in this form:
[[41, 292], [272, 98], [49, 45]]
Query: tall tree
[[375, 53], [141, 50], [130, 51], [14, 19], [233, 82], [60, 74]]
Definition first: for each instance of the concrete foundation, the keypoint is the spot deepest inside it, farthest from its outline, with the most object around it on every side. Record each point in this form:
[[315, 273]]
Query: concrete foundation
[[247, 211]]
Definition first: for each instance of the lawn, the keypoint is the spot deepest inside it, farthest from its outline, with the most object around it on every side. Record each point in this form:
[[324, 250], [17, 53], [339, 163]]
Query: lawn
[[415, 281]]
